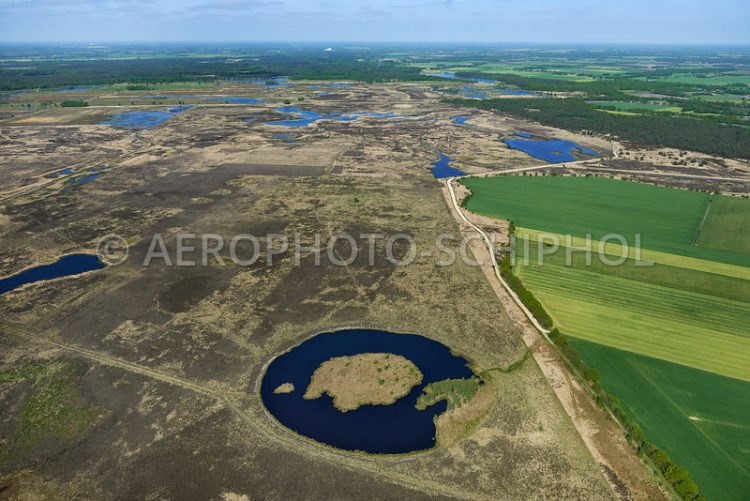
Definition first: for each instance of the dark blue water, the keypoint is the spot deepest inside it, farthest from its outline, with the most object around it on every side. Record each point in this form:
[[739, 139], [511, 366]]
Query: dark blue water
[[62, 172], [63, 267], [523, 134], [443, 169], [304, 118], [81, 179], [137, 120], [552, 151], [377, 429], [460, 119]]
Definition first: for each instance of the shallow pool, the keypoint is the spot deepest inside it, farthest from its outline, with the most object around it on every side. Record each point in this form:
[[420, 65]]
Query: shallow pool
[[552, 151], [442, 168], [137, 120]]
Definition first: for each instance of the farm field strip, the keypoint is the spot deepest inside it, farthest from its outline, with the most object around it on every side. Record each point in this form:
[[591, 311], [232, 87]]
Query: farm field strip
[[646, 319], [702, 416], [674, 277], [616, 250], [665, 218]]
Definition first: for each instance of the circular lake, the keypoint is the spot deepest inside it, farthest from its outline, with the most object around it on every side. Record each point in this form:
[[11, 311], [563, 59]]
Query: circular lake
[[377, 429]]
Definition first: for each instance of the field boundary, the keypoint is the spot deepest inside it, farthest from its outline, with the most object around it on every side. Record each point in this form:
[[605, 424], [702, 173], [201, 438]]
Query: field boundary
[[657, 460], [699, 229], [601, 431]]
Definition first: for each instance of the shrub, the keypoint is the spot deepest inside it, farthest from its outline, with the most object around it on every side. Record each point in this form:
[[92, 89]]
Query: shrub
[[591, 375], [74, 103]]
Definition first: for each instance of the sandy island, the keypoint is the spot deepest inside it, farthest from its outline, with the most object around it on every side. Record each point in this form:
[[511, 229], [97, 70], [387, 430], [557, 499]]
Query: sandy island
[[284, 388], [365, 379]]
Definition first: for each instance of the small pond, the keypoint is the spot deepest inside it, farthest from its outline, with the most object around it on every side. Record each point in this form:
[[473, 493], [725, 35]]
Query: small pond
[[72, 264], [460, 119], [378, 429], [552, 150], [137, 120], [442, 168]]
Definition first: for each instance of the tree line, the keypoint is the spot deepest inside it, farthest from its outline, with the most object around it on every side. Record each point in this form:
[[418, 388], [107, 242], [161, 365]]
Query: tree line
[[648, 130]]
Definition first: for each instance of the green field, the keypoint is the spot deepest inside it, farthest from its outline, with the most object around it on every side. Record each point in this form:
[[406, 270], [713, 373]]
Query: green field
[[699, 419], [727, 226], [670, 340], [666, 219], [721, 98], [681, 326], [694, 79]]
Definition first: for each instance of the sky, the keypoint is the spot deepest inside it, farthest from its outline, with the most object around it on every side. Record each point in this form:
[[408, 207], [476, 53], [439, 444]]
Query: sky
[[487, 21]]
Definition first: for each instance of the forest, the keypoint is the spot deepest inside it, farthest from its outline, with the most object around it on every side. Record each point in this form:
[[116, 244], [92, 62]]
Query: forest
[[648, 130]]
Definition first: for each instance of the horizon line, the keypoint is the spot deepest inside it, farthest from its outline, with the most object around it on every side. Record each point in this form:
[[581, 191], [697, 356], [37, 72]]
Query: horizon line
[[376, 42]]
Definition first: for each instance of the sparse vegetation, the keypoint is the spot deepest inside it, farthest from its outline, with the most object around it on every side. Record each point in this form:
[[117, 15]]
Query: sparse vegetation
[[366, 379], [52, 407]]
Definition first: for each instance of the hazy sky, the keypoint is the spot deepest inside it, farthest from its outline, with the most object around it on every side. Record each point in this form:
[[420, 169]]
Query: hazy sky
[[645, 21]]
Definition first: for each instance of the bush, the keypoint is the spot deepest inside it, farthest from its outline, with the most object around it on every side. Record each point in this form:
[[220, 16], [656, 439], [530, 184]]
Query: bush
[[661, 459], [591, 375], [74, 103], [687, 489]]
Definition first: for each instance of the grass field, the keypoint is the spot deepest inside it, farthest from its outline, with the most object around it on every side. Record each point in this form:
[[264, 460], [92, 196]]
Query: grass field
[[684, 327], [692, 79], [699, 419], [727, 226], [670, 340], [612, 248], [665, 218], [729, 98]]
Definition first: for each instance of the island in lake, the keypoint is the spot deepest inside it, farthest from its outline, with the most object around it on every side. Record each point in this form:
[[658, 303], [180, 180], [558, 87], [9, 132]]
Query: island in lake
[[364, 379], [284, 388]]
